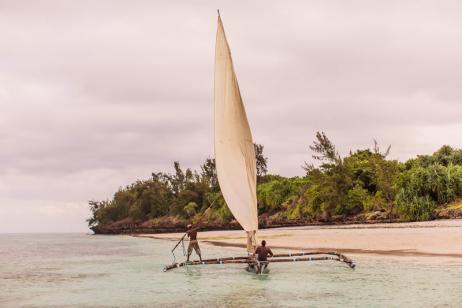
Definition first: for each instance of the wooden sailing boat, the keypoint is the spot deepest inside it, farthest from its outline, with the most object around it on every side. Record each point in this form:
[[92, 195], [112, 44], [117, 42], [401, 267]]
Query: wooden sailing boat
[[236, 163]]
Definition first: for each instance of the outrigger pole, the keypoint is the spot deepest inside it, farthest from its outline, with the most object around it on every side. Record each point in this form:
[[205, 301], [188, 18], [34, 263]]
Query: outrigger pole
[[186, 233], [290, 257]]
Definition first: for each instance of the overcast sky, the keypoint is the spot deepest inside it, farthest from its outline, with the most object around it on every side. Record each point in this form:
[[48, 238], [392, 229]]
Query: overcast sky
[[97, 94]]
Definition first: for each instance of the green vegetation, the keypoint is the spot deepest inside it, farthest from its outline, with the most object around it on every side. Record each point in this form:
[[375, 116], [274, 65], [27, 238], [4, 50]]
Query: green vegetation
[[455, 206], [363, 183]]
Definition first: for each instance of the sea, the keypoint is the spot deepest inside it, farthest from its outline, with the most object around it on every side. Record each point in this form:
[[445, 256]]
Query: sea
[[79, 270]]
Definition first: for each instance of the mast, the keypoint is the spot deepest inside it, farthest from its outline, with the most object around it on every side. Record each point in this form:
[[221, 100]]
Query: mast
[[234, 149]]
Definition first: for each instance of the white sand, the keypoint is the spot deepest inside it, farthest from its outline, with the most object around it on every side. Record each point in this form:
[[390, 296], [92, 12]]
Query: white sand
[[433, 239]]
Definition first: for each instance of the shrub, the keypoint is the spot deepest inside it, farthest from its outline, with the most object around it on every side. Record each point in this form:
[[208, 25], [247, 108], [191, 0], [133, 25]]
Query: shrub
[[417, 208]]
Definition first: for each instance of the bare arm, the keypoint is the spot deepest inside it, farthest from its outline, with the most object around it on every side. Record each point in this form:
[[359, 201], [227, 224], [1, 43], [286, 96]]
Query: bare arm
[[189, 231]]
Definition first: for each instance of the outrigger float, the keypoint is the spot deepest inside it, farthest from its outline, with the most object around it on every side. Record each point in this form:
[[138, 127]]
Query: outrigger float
[[236, 167], [258, 267]]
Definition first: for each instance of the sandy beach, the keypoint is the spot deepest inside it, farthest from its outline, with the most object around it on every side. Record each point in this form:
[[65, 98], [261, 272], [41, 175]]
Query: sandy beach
[[432, 239]]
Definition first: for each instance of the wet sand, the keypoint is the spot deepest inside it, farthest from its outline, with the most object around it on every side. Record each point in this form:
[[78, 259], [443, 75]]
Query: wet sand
[[437, 239]]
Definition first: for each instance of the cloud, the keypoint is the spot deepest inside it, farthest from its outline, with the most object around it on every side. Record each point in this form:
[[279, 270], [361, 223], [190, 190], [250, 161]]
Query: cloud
[[94, 95]]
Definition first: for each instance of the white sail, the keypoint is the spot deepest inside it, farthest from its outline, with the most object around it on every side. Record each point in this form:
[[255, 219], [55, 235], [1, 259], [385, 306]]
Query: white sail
[[234, 149]]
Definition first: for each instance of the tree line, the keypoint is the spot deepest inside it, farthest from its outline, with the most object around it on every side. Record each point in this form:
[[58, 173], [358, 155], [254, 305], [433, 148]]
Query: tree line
[[363, 182]]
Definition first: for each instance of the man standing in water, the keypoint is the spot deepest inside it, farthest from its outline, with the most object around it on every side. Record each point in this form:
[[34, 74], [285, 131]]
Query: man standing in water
[[193, 243]]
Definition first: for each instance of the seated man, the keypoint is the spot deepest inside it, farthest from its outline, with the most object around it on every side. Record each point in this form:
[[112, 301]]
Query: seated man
[[262, 252]]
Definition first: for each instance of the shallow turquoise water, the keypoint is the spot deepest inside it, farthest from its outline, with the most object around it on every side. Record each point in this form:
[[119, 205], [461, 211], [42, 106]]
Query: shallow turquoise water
[[57, 270]]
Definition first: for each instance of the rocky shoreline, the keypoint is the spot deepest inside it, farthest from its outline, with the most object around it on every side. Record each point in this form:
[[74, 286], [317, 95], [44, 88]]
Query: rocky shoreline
[[173, 225]]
